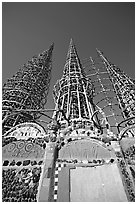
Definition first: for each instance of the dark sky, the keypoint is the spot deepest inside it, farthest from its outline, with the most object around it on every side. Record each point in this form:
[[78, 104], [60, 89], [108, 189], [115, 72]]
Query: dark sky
[[30, 28]]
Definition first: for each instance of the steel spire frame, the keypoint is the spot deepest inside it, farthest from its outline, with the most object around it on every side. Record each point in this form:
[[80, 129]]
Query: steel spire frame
[[114, 91], [72, 92], [27, 89], [124, 87]]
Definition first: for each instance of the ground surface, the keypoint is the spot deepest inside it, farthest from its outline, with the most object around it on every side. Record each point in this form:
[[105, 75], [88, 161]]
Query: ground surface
[[96, 184]]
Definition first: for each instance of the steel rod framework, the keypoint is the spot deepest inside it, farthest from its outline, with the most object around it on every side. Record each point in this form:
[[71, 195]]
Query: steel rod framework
[[27, 89], [114, 91], [124, 87], [72, 92], [93, 124]]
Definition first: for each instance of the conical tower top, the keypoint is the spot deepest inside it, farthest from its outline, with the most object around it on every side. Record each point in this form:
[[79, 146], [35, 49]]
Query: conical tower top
[[71, 49], [71, 41], [73, 91], [101, 55], [73, 64]]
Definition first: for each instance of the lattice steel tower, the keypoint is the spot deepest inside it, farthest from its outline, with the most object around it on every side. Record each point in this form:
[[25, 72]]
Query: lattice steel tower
[[73, 91], [95, 109], [27, 89], [124, 86], [89, 138]]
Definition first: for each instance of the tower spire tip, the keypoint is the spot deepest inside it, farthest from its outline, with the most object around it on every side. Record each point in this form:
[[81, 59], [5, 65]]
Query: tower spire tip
[[71, 41], [98, 50]]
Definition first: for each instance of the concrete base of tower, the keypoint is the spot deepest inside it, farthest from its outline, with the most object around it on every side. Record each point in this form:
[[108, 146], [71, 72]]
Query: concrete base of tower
[[87, 170]]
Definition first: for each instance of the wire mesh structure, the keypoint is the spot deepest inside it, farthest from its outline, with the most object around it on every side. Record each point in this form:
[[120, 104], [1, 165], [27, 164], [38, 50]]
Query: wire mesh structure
[[72, 92], [97, 100], [27, 89], [124, 87], [92, 126], [114, 95]]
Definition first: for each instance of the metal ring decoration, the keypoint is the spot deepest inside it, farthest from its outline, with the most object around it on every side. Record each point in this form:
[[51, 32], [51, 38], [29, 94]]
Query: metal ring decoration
[[20, 144], [29, 146], [11, 147]]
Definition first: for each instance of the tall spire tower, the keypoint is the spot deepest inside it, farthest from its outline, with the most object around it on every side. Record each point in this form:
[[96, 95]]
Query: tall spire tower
[[88, 142], [124, 87], [27, 89], [72, 91], [86, 154]]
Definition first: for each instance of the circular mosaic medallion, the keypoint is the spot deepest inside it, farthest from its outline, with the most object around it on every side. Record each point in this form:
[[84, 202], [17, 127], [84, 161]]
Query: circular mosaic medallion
[[11, 147], [20, 144], [29, 146]]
